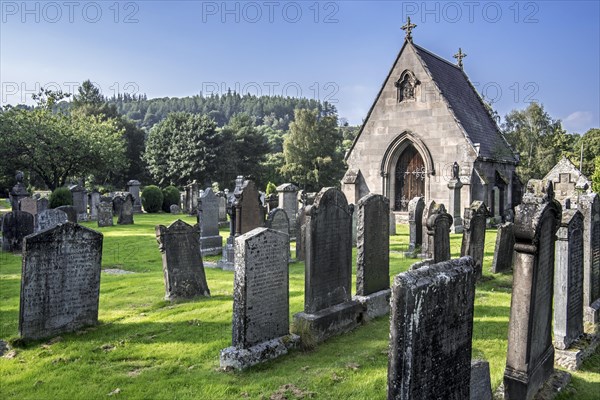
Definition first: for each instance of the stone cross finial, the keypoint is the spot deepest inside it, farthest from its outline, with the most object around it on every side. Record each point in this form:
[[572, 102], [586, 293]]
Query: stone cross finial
[[408, 27], [459, 57]]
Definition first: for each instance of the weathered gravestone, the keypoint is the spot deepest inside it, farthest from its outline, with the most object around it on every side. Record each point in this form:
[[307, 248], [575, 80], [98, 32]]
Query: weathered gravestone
[[70, 211], [191, 198], [18, 192], [504, 251], [126, 212], [183, 269], [117, 201], [473, 240], [15, 226], [454, 187], [222, 197], [250, 213], [279, 221], [288, 200], [428, 211], [568, 280], [105, 214], [80, 201], [481, 385], [530, 357], [415, 223], [28, 204], [431, 328], [133, 187], [94, 199], [438, 232], [589, 205], [49, 219], [60, 281], [392, 222], [301, 234], [328, 308], [227, 262], [208, 220], [174, 209], [373, 255], [260, 329], [43, 204]]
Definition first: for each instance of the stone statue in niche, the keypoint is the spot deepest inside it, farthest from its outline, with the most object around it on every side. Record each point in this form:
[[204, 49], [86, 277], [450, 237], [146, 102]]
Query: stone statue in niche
[[406, 86]]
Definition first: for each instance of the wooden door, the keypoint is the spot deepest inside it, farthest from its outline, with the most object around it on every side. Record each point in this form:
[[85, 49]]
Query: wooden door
[[410, 178]]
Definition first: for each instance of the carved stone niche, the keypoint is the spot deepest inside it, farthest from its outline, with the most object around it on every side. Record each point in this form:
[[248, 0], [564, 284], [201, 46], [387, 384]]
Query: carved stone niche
[[407, 86]]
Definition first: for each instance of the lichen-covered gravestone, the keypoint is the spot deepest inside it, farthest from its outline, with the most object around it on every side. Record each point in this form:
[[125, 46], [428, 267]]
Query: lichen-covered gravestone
[[278, 220], [589, 205], [80, 201], [133, 187], [50, 218], [505, 244], [126, 211], [260, 300], [105, 214], [328, 307], [70, 211], [15, 226], [431, 328], [250, 213], [428, 211], [288, 200], [415, 223], [530, 355], [568, 280], [473, 240], [438, 232], [183, 269], [60, 281], [373, 255], [208, 220]]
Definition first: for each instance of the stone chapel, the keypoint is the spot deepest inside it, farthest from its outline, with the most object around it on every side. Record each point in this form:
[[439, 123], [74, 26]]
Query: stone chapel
[[426, 117]]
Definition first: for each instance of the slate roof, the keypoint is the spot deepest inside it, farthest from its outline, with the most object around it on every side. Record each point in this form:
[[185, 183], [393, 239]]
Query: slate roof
[[467, 106]]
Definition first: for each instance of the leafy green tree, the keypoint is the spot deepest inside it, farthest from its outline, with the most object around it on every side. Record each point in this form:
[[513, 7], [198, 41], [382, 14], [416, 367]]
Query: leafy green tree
[[312, 150], [590, 142], [57, 146], [183, 147], [539, 139], [596, 175]]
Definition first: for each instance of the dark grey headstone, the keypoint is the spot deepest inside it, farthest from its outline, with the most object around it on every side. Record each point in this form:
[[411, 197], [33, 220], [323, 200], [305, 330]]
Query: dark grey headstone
[[50, 218], [117, 201], [431, 331], [279, 221], [126, 212], [174, 209], [70, 211], [222, 207], [182, 262], [15, 226], [208, 220], [428, 211], [60, 281], [438, 232], [301, 234], [249, 210], [227, 262], [373, 249], [505, 244], [589, 205], [288, 200], [568, 280], [94, 199], [43, 204], [473, 240], [105, 214], [530, 357], [415, 222], [133, 187], [481, 386], [80, 201]]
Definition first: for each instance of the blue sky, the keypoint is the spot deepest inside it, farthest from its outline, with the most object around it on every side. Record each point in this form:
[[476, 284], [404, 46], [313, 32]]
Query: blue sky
[[339, 51]]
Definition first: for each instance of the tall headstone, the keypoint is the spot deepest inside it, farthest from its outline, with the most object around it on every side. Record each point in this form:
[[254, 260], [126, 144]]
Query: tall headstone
[[29, 204], [191, 195], [126, 212], [260, 300], [94, 199], [288, 200], [15, 226], [473, 240], [328, 307], [49, 219], [438, 232], [455, 186], [133, 187], [222, 207], [60, 281], [392, 222], [428, 211], [568, 280], [18, 192], [431, 328], [208, 219], [504, 251], [589, 205], [530, 357], [250, 213], [105, 214], [70, 211], [183, 269], [278, 220], [373, 255], [227, 261], [117, 202], [415, 223], [79, 201], [301, 234], [43, 204]]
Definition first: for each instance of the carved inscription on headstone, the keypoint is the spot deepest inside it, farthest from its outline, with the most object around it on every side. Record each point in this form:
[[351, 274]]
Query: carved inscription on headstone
[[50, 218], [60, 281]]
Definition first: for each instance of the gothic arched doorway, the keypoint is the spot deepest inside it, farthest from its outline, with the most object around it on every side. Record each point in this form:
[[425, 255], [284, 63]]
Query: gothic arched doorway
[[410, 178]]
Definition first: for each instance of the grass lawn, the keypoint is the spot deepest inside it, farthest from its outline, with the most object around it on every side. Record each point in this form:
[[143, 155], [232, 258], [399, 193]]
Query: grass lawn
[[145, 347]]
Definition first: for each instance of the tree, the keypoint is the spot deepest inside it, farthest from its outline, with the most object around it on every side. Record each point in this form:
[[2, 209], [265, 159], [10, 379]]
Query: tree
[[312, 150], [539, 140], [183, 147], [58, 146], [591, 149], [596, 176]]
